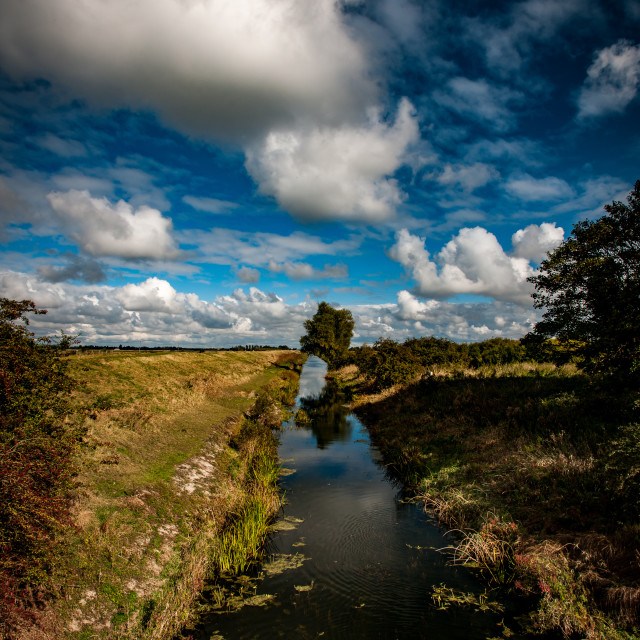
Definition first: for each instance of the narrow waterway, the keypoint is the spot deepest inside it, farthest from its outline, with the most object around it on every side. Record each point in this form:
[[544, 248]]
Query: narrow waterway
[[351, 558]]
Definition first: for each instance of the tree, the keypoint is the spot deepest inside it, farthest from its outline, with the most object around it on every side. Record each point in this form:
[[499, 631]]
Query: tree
[[328, 334], [590, 288]]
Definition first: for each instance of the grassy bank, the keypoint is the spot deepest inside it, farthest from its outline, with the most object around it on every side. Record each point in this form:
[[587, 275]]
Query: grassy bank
[[535, 467], [177, 483]]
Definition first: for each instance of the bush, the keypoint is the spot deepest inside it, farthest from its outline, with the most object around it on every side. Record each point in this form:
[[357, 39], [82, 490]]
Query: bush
[[388, 363], [36, 458]]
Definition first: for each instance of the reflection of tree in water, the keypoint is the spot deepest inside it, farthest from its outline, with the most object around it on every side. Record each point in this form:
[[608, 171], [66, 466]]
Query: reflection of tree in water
[[327, 416]]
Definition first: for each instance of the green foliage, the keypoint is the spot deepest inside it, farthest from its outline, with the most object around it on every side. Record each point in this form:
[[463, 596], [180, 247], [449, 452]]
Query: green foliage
[[388, 363], [36, 456], [590, 288], [328, 334]]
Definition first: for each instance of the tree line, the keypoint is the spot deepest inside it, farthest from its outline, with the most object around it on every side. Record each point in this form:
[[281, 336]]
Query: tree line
[[589, 288]]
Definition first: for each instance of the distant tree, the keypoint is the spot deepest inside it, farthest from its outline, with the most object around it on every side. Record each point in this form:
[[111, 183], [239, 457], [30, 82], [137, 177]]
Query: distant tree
[[590, 288], [328, 334]]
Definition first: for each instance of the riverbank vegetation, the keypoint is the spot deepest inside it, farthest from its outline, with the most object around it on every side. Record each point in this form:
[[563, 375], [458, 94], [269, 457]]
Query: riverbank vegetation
[[529, 451], [536, 469], [169, 480]]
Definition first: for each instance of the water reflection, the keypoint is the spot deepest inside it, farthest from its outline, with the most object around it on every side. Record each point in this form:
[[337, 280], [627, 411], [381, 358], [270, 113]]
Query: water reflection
[[365, 561], [327, 416], [312, 378]]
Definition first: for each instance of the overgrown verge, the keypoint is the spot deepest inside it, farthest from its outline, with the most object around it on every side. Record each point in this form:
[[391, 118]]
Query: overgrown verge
[[37, 451], [177, 451], [535, 467]]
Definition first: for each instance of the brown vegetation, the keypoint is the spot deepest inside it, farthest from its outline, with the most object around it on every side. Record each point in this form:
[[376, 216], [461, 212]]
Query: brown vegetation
[[535, 468], [176, 452]]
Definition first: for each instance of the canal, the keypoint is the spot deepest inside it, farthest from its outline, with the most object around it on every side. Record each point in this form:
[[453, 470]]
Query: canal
[[350, 558]]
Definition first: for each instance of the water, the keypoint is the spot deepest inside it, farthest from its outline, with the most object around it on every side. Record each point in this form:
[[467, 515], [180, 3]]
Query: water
[[368, 560]]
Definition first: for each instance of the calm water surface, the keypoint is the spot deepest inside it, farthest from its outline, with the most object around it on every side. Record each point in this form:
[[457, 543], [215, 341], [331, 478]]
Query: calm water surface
[[367, 559]]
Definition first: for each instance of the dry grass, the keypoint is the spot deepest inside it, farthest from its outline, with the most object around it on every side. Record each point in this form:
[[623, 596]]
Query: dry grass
[[159, 481], [538, 446]]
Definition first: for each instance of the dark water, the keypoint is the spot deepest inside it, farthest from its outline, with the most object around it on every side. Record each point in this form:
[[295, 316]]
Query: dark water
[[370, 558]]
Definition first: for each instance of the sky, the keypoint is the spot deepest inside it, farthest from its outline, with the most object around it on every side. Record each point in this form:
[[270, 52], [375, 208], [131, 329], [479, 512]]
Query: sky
[[204, 172]]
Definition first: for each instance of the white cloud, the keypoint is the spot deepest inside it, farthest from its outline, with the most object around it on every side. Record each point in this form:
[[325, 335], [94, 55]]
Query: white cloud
[[468, 177], [216, 68], [612, 80], [152, 312], [64, 147], [211, 205], [103, 229], [336, 172], [305, 271], [229, 246], [530, 189], [480, 101], [151, 295], [159, 315], [534, 242], [468, 322], [473, 262], [593, 194]]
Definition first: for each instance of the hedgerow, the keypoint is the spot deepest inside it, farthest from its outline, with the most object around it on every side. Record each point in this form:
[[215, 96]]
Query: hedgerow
[[37, 467]]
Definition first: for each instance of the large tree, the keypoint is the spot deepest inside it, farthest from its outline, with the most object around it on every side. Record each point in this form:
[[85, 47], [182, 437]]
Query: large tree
[[328, 334], [590, 289]]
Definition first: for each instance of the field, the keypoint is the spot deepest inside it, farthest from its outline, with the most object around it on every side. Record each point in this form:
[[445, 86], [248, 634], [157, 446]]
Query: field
[[534, 469], [178, 454]]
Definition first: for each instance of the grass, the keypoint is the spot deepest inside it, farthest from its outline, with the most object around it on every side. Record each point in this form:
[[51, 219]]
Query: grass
[[535, 467], [176, 476]]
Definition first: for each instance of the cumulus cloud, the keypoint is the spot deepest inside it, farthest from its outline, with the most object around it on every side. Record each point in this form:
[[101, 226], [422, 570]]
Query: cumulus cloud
[[535, 241], [473, 262], [156, 314], [469, 322], [287, 81], [530, 189], [152, 312], [336, 172], [215, 68], [612, 80], [151, 295], [103, 229]]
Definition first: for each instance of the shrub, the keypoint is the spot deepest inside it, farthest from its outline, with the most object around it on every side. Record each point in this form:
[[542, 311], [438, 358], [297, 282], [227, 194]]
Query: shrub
[[388, 363], [36, 458]]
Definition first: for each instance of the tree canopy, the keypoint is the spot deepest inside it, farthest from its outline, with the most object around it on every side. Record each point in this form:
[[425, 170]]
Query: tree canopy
[[590, 289], [328, 334]]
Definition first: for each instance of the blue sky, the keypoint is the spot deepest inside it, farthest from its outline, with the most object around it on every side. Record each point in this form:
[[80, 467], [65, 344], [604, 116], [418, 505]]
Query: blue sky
[[204, 172]]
